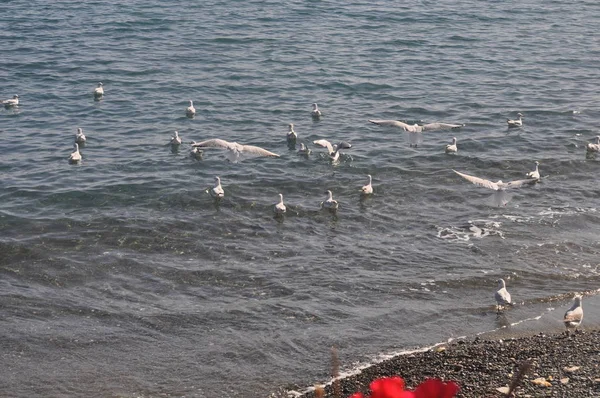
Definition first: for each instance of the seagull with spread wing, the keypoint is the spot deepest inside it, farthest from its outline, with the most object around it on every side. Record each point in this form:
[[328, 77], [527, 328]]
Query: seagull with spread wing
[[334, 150], [235, 151], [414, 129], [497, 186]]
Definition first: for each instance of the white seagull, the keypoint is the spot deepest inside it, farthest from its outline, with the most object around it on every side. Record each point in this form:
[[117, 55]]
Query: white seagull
[[415, 128], [502, 296], [217, 191], [593, 147], [574, 315], [535, 173], [175, 139], [291, 136], [329, 203], [304, 150], [234, 150], [367, 189], [280, 207], [75, 156], [80, 137], [11, 102], [334, 150], [196, 153], [496, 186], [315, 113], [99, 91], [452, 148], [515, 123], [190, 111]]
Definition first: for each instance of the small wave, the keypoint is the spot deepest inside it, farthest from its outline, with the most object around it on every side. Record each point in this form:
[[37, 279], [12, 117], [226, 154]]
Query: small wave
[[473, 229]]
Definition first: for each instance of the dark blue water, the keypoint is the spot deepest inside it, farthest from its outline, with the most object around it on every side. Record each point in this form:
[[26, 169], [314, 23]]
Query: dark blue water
[[122, 277]]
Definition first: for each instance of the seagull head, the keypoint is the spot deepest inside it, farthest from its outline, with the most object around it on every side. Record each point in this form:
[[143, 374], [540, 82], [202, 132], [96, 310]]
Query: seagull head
[[314, 106], [501, 283], [291, 126], [537, 163], [217, 181], [519, 114], [100, 84], [16, 96], [577, 299], [76, 146]]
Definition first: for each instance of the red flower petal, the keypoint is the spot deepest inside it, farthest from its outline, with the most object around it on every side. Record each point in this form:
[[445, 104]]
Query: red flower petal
[[357, 395], [389, 387], [435, 388]]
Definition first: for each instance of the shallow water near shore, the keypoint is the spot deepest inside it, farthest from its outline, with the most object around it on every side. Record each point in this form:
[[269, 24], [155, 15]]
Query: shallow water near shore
[[121, 276]]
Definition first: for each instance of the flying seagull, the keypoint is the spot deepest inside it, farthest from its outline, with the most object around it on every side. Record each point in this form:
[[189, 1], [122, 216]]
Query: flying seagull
[[234, 150], [333, 150], [500, 187], [415, 128]]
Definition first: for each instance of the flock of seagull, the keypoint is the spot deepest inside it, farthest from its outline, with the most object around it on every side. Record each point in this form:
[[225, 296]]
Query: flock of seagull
[[235, 151]]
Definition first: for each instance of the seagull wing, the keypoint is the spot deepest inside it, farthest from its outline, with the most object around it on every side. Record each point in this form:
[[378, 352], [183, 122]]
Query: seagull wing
[[575, 315], [479, 181], [392, 123], [256, 150], [214, 143], [324, 144], [440, 126], [517, 183]]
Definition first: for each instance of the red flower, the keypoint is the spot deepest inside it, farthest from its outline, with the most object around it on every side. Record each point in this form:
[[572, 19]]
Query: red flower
[[435, 388], [389, 387]]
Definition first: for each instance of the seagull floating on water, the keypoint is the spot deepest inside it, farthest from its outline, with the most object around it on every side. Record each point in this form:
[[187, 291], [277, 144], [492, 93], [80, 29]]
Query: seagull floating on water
[[517, 122], [304, 150], [190, 111], [315, 113], [235, 150], [329, 203], [80, 137], [334, 150], [367, 189], [535, 173], [217, 191], [502, 295], [99, 91], [75, 156], [574, 315], [175, 139], [593, 147], [196, 153], [280, 207], [291, 137], [14, 101], [452, 148]]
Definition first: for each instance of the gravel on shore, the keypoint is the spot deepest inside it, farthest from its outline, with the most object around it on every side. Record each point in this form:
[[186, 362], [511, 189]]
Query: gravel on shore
[[563, 365]]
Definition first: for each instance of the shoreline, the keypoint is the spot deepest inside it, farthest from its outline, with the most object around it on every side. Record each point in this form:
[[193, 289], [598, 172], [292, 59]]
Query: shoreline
[[564, 365]]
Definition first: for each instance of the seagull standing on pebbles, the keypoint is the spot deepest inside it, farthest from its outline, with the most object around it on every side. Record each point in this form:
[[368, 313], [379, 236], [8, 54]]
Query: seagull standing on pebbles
[[280, 207], [574, 315], [217, 191], [11, 102], [79, 137], [535, 173], [333, 150], [315, 113], [190, 111], [452, 148], [99, 91], [234, 150], [75, 156], [515, 123], [502, 296], [367, 189], [593, 147], [329, 203]]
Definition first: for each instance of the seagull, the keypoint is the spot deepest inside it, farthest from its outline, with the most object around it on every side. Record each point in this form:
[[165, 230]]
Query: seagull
[[99, 91], [291, 137], [496, 186], [367, 189], [329, 203], [196, 153], [234, 150], [535, 173], [175, 140], [315, 113], [217, 191], [593, 147], [75, 156], [280, 207], [502, 295], [79, 137], [190, 111], [515, 123], [451, 148], [14, 101], [334, 151], [304, 150], [415, 128], [574, 315]]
